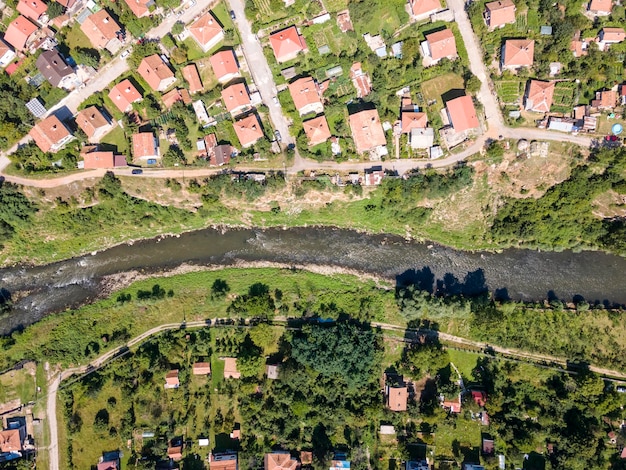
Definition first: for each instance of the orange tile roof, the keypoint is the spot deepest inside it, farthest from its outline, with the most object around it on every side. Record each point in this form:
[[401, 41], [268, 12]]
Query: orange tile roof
[[10, 440], [224, 64], [367, 130], [100, 28], [90, 120], [539, 96], [424, 7], [206, 29], [175, 453], [171, 378], [230, 363], [98, 159], [107, 466], [518, 53], [201, 368], [613, 34], [144, 145], [605, 99], [190, 73], [316, 130], [172, 97], [413, 120], [462, 113], [18, 32], [4, 48], [441, 44], [124, 94], [218, 463], [139, 7], [235, 97], [577, 48], [360, 80], [287, 43], [601, 6], [48, 133], [305, 92], [32, 9], [397, 398], [500, 12], [280, 461], [155, 72]]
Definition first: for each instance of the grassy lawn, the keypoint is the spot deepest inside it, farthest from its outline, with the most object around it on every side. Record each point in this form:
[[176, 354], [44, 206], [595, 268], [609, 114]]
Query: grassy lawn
[[75, 38], [432, 90], [117, 138], [605, 124], [193, 50], [19, 384], [465, 432], [336, 5]]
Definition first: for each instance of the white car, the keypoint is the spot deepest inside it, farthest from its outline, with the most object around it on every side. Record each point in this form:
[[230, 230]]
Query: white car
[[125, 54]]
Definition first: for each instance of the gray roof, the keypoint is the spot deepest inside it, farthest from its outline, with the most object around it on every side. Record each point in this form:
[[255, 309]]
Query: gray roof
[[53, 67]]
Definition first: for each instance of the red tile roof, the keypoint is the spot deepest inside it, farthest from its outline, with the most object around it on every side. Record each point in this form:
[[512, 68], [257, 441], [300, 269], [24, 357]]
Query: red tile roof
[[316, 130], [280, 461], [397, 398], [98, 160], [217, 462], [90, 120], [287, 43], [144, 145], [305, 92], [32, 9], [171, 378], [235, 97], [48, 133], [605, 99], [107, 466], [480, 398], [601, 6], [367, 131], [612, 34], [539, 96], [156, 72], [175, 96], [124, 94], [424, 7], [413, 120], [190, 73], [139, 7], [100, 28], [18, 32], [248, 132], [230, 363], [201, 368], [499, 13], [206, 29], [462, 113], [10, 440], [360, 80], [224, 64], [518, 53], [441, 44]]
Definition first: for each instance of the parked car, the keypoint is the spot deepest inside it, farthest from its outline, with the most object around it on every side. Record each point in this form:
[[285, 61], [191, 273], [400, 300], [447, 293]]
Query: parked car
[[277, 134], [232, 15], [125, 54], [137, 171], [275, 99], [192, 3]]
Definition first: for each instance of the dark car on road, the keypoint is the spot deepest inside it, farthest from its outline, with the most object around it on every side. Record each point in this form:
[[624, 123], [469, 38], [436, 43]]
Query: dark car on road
[[277, 134], [232, 15], [137, 171]]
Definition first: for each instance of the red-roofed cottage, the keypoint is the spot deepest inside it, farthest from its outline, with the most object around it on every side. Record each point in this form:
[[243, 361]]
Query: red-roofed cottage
[[462, 114], [206, 31], [287, 44]]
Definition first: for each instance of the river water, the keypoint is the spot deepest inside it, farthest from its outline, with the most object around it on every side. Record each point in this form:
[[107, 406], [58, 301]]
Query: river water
[[515, 274]]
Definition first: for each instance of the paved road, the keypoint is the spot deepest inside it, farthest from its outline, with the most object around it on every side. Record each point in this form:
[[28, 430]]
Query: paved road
[[51, 412]]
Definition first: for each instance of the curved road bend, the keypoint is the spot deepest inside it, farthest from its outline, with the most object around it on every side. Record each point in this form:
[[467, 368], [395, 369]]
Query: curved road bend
[[103, 359]]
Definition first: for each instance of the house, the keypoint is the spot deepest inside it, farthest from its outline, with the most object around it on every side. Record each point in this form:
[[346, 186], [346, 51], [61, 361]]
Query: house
[[54, 69], [488, 446], [230, 363], [201, 113], [421, 138], [280, 461], [206, 31], [316, 130], [94, 158], [174, 96], [517, 53], [417, 465], [387, 430], [622, 94], [225, 66], [272, 371], [236, 98], [611, 35], [50, 135], [606, 99], [190, 74], [236, 432], [452, 406], [462, 114], [145, 146], [367, 131], [479, 397], [201, 368], [287, 44], [175, 449], [538, 96], [171, 378], [499, 13], [103, 31], [112, 465], [579, 48], [10, 441], [373, 176], [344, 22], [306, 96], [19, 33], [413, 120], [422, 9], [206, 145], [156, 73], [93, 123], [34, 10], [360, 80], [376, 44], [600, 7], [140, 8], [67, 4], [221, 155], [440, 45], [124, 94], [7, 54], [227, 461], [396, 396]]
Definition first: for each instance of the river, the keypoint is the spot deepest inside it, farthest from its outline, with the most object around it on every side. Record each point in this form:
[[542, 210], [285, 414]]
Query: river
[[513, 273]]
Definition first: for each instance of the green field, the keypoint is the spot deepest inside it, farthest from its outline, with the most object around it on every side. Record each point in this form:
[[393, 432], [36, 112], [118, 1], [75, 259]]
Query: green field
[[564, 97], [509, 91]]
